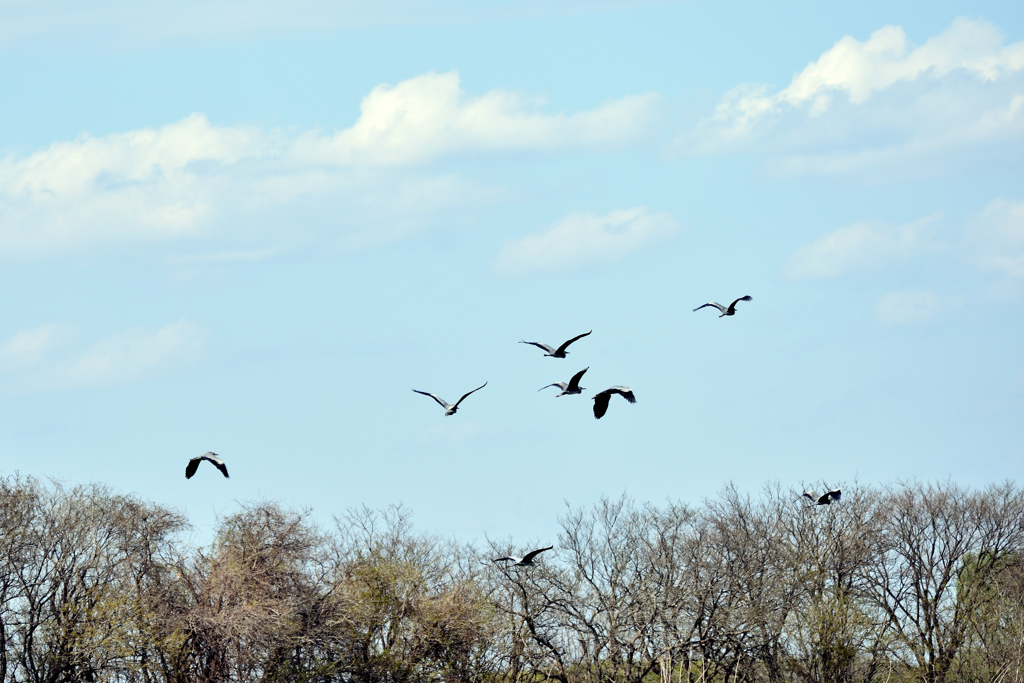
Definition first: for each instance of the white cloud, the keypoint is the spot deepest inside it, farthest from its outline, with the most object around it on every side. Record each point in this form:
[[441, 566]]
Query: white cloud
[[865, 104], [143, 185], [861, 69], [27, 348], [996, 237], [425, 117], [33, 362], [193, 181], [583, 239], [908, 306], [859, 246]]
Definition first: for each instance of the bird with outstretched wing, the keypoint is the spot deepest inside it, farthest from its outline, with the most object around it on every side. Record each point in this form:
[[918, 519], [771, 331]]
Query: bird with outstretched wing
[[601, 400], [573, 387], [450, 409], [524, 561], [730, 310], [560, 352], [209, 456]]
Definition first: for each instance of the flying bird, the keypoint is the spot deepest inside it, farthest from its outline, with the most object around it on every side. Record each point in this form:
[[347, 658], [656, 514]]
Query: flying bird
[[573, 387], [560, 352], [448, 408], [193, 464], [602, 399], [524, 561], [731, 310], [825, 499]]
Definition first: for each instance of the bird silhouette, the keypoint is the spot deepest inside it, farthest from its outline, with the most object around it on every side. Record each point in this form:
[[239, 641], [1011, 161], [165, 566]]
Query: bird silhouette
[[524, 561], [560, 352], [573, 387], [824, 499], [450, 409], [601, 400], [731, 310], [210, 456]]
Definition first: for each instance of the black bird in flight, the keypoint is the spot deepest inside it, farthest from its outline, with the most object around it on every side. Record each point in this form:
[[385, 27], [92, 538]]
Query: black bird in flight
[[602, 399], [560, 352], [450, 409], [824, 499], [573, 387], [731, 310], [193, 464], [524, 561]]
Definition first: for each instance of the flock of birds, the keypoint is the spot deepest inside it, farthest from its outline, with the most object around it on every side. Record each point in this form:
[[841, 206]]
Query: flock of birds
[[572, 387], [569, 388], [601, 399]]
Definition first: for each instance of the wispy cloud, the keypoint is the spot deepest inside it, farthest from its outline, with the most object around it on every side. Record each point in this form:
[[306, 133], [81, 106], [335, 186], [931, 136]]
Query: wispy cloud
[[860, 246], [28, 348], [39, 360], [866, 104], [996, 237], [252, 189], [584, 239], [908, 306], [990, 241]]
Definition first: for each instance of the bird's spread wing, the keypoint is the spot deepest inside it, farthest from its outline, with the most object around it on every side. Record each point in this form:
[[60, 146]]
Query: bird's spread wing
[[441, 401], [534, 553], [563, 347], [809, 495], [624, 392], [824, 499], [468, 393], [193, 464], [504, 559], [601, 403], [574, 383], [835, 494], [732, 306], [561, 385], [716, 305], [217, 462], [547, 348]]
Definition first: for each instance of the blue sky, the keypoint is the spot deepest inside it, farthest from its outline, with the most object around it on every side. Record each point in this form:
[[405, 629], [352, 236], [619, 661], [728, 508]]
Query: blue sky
[[252, 228]]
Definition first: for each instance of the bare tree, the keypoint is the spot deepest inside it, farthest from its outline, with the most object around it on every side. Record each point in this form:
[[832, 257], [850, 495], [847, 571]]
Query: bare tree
[[78, 564], [931, 532], [994, 650], [763, 592], [243, 609], [531, 640], [412, 607], [610, 598], [837, 633]]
